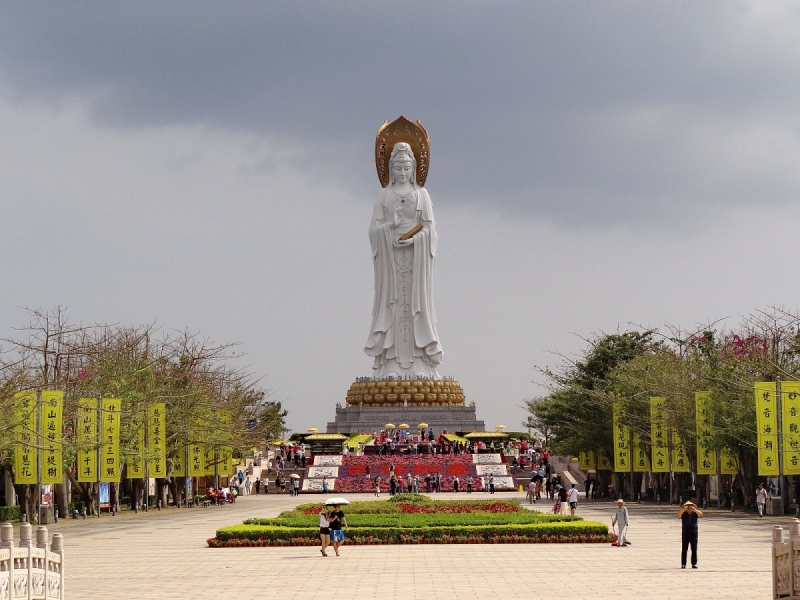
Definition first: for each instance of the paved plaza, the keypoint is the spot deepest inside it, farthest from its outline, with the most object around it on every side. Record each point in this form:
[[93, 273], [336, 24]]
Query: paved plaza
[[164, 555]]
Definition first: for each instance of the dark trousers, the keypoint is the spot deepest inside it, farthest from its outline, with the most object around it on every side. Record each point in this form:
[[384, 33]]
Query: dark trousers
[[688, 539]]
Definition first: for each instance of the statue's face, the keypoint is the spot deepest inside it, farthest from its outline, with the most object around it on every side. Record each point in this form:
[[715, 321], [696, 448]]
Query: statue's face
[[401, 171]]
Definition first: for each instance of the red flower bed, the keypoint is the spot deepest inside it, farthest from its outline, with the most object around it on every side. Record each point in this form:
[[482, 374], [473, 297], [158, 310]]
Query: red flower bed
[[494, 507], [353, 471]]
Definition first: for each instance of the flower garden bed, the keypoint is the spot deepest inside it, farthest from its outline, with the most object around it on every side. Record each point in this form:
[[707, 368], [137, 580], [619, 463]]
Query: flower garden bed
[[416, 521]]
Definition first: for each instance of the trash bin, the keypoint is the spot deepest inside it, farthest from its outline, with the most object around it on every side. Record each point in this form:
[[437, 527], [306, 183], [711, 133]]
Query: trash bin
[[774, 506], [46, 514]]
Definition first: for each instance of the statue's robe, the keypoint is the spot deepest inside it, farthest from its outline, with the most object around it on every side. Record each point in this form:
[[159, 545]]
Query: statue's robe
[[383, 342]]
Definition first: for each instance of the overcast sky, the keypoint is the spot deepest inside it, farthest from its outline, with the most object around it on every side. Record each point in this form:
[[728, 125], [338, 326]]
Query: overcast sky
[[210, 166]]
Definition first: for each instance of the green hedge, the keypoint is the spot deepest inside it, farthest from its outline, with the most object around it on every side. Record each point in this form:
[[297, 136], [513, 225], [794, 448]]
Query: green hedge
[[10, 513], [416, 520], [390, 506], [411, 498], [582, 531]]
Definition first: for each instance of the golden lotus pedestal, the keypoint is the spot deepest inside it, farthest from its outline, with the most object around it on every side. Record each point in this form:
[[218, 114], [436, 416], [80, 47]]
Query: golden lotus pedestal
[[370, 404]]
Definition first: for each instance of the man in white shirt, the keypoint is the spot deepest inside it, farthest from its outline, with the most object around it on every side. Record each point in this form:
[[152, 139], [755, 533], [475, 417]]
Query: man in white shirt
[[761, 499], [572, 497], [531, 492]]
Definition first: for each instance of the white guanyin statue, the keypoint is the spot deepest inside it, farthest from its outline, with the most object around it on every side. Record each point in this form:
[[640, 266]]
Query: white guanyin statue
[[403, 339]]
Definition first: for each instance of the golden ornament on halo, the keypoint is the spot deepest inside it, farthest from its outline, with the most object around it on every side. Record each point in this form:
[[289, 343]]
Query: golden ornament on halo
[[402, 130]]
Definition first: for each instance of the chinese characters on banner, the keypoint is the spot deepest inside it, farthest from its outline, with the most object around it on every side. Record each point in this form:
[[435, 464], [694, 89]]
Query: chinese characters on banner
[[25, 453], [790, 407], [728, 465], [706, 454], [52, 430], [658, 435], [622, 453], [178, 460], [110, 466], [767, 424], [87, 440], [603, 462], [226, 465], [196, 466], [209, 460], [586, 460], [135, 461], [680, 462], [157, 442], [641, 460]]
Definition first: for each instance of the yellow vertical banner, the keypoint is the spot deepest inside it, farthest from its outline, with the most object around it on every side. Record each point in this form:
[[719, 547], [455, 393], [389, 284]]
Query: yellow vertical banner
[[680, 461], [658, 435], [603, 462], [587, 460], [226, 460], [110, 466], [622, 450], [157, 441], [87, 440], [135, 461], [25, 447], [728, 465], [706, 453], [178, 460], [196, 458], [209, 460], [767, 424], [52, 433], [641, 459], [790, 423]]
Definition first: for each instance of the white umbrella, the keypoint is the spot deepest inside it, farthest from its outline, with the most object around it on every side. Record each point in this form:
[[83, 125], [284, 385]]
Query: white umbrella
[[335, 501], [294, 476]]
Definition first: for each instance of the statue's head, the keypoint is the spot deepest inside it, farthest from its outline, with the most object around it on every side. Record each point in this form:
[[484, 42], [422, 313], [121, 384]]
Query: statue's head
[[402, 164]]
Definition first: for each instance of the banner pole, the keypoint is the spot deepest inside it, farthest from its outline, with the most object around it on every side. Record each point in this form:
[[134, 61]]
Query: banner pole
[[779, 410], [39, 455], [671, 466], [630, 462], [147, 461]]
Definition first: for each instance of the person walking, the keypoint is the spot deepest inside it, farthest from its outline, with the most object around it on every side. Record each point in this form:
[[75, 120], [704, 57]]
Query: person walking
[[455, 484], [761, 499], [572, 496], [469, 484], [377, 486], [491, 483], [247, 485], [620, 519], [689, 514], [336, 521], [324, 532], [531, 495], [257, 485]]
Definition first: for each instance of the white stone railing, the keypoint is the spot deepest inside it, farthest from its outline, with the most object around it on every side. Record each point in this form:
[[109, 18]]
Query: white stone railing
[[30, 572]]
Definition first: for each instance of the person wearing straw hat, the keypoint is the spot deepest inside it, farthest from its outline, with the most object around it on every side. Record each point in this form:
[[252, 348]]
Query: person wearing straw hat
[[688, 514], [620, 519]]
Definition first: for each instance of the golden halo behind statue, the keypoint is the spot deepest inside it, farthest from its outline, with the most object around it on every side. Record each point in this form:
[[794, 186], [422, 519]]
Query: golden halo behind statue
[[402, 130]]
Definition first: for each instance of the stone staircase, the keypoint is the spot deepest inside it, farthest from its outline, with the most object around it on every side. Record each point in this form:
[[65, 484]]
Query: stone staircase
[[349, 474]]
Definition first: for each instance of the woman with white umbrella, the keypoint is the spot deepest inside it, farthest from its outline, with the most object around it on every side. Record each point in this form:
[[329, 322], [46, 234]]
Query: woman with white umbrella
[[336, 520]]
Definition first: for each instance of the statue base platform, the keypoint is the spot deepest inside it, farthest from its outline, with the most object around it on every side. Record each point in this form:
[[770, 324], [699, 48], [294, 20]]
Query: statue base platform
[[362, 418]]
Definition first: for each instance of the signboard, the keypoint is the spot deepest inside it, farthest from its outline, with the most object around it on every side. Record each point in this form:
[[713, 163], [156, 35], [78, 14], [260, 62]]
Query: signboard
[[87, 440], [767, 424], [52, 433], [25, 454], [659, 442], [110, 466], [622, 451], [706, 454]]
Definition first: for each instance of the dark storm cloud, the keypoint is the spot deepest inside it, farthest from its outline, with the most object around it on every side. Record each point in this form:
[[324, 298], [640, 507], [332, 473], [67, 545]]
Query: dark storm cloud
[[583, 112]]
